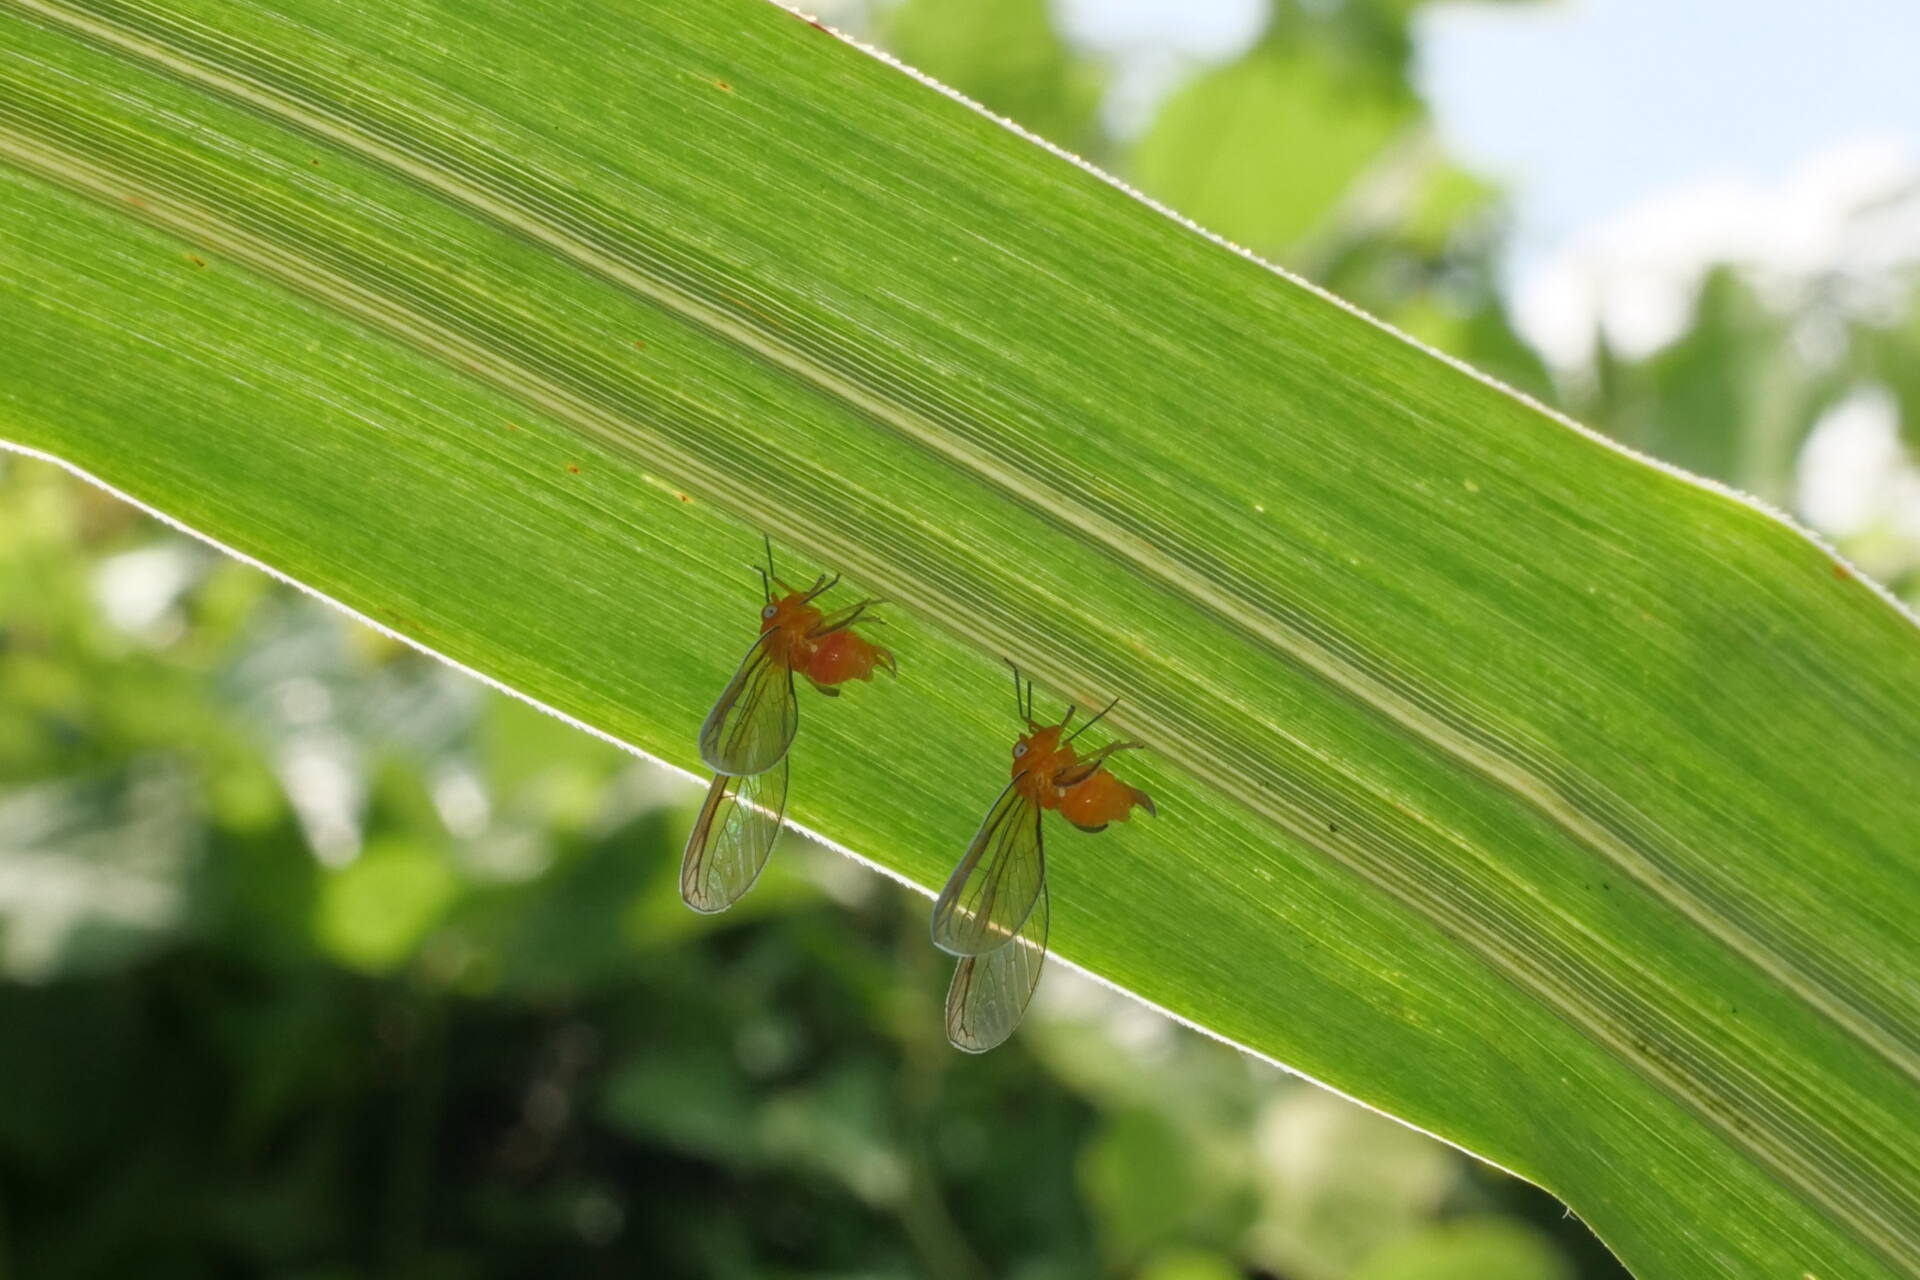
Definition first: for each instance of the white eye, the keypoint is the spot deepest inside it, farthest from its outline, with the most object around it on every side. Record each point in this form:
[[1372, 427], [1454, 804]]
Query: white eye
[[769, 611], [1019, 749]]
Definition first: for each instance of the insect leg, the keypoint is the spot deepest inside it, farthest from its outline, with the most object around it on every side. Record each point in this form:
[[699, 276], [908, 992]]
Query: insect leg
[[1096, 720]]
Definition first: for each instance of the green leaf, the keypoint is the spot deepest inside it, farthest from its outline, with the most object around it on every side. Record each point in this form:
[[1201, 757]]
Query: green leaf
[[373, 913], [1891, 355], [1468, 1250], [1545, 799], [1005, 55], [1262, 149], [1140, 1180], [1733, 398]]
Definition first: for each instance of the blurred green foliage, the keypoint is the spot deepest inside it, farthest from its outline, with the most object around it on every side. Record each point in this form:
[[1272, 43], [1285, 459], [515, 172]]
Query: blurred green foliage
[[1216, 140], [1008, 55], [318, 960]]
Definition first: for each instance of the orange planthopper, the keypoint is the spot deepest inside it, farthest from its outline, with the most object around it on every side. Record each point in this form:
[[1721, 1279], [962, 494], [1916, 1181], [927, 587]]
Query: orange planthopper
[[753, 721], [746, 736], [994, 912]]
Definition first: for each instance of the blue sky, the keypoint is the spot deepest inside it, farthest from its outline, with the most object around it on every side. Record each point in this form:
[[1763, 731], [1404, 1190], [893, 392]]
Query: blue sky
[[1636, 139], [1588, 107]]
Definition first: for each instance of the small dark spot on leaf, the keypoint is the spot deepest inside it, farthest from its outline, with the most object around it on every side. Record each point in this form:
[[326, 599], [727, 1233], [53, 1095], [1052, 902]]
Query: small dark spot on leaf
[[1333, 826], [1841, 572], [575, 470], [639, 345], [723, 86], [683, 497], [315, 162], [196, 261]]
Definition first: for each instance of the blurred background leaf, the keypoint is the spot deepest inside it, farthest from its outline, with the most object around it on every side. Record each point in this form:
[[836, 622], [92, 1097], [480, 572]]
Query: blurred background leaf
[[1215, 147], [1007, 55]]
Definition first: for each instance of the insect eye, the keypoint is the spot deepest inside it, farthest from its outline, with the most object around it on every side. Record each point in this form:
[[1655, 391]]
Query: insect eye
[[1019, 749], [769, 611]]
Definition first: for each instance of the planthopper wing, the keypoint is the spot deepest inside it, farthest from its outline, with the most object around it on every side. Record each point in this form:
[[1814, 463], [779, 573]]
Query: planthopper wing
[[753, 722], [732, 837], [990, 893], [989, 993]]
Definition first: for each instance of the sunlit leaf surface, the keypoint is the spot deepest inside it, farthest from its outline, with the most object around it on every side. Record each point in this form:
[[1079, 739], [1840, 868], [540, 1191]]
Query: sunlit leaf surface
[[1549, 801]]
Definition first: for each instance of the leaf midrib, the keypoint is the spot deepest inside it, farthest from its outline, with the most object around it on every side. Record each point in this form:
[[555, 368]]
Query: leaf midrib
[[1210, 758]]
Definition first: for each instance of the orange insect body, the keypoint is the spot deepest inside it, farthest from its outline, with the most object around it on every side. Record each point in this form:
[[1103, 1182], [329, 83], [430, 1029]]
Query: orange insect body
[[844, 656], [745, 738], [826, 660], [1048, 772], [1038, 757], [994, 912], [1101, 799]]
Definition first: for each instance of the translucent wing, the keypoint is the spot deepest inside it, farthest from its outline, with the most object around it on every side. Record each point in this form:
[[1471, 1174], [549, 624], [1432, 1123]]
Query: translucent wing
[[753, 722], [989, 993], [732, 837], [990, 893]]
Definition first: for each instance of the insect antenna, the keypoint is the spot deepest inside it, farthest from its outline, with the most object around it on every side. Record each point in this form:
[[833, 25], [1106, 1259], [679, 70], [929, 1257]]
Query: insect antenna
[[821, 585], [1096, 720], [1022, 693], [767, 542]]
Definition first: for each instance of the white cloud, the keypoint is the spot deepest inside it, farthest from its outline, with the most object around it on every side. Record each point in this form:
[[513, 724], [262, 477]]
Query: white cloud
[[1846, 218]]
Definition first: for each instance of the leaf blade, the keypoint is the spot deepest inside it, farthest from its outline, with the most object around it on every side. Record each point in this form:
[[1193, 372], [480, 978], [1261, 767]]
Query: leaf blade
[[1398, 755]]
